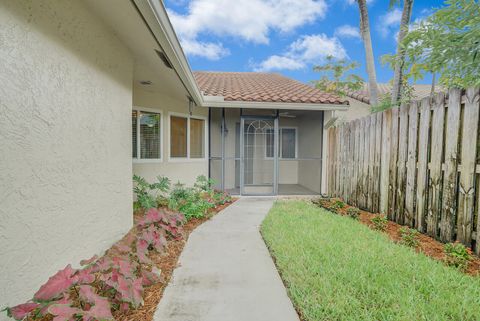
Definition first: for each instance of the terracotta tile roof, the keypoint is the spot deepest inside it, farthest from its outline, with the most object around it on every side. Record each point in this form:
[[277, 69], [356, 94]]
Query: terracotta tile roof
[[261, 87], [419, 92]]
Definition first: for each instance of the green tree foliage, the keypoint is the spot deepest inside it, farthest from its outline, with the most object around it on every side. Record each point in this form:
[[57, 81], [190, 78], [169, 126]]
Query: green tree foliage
[[446, 43], [336, 77]]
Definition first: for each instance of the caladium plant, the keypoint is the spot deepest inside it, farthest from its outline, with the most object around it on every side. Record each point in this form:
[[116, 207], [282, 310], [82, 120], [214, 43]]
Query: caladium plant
[[56, 285], [112, 282], [63, 312], [20, 311]]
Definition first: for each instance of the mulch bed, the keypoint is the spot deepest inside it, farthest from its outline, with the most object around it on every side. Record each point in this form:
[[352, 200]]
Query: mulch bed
[[166, 262], [427, 245]]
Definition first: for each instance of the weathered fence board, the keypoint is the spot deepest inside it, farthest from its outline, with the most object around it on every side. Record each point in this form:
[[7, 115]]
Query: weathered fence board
[[468, 160], [366, 158], [401, 164], [361, 156], [422, 174], [351, 194], [447, 219], [371, 162], [376, 168], [411, 165], [418, 164], [392, 174], [385, 160], [435, 179]]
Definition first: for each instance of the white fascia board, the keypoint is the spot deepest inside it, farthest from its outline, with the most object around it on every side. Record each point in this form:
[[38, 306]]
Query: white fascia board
[[220, 103], [155, 15]]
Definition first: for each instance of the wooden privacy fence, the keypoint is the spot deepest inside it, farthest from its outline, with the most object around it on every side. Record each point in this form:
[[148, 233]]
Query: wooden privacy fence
[[418, 164]]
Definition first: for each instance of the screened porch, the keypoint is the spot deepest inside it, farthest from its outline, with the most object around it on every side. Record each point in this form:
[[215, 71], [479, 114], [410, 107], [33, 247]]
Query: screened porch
[[266, 152]]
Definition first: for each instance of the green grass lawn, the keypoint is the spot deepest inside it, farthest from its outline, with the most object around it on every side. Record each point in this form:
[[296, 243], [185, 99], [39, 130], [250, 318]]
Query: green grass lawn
[[338, 269]]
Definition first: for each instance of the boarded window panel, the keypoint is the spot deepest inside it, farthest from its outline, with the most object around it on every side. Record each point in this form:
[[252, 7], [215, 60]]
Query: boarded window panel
[[288, 142], [150, 130], [134, 133], [178, 136], [197, 138]]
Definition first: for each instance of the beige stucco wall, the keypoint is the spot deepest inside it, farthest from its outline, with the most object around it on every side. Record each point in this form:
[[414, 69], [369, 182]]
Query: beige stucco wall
[[357, 109], [65, 164], [183, 171]]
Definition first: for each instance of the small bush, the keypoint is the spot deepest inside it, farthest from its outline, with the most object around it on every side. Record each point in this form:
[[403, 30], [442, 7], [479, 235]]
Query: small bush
[[457, 255], [148, 194], [192, 202], [353, 212], [409, 237], [204, 184], [338, 204], [379, 222], [221, 198], [322, 202], [329, 204]]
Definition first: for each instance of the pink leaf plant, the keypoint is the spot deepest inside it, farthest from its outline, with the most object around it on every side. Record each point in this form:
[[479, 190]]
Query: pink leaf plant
[[114, 281], [63, 312], [20, 311], [56, 285]]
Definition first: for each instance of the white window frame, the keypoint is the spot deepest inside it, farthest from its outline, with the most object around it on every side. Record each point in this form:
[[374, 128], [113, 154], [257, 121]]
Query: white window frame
[[148, 160], [205, 143], [280, 143]]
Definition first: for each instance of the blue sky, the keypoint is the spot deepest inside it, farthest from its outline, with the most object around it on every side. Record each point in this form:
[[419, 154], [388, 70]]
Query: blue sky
[[285, 36]]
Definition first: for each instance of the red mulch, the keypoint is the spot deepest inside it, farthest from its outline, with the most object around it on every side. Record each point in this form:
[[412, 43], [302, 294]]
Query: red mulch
[[427, 245], [166, 262]]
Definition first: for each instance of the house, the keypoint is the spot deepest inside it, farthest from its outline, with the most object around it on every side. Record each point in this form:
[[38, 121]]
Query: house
[[360, 100], [87, 86]]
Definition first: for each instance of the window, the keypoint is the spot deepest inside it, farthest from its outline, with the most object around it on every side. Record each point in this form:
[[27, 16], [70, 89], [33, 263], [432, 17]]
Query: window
[[178, 136], [187, 137], [197, 138], [146, 135], [287, 143]]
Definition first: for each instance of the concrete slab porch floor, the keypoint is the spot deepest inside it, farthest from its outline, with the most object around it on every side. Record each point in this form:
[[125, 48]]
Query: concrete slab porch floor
[[226, 272]]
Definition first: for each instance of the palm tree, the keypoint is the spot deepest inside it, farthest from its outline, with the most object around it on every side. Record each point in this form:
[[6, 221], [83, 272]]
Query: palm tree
[[367, 42], [400, 59]]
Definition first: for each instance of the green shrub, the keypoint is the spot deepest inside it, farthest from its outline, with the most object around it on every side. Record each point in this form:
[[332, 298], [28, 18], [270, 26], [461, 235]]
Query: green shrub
[[204, 184], [379, 222], [148, 194], [353, 212], [322, 202], [456, 255], [329, 204], [338, 204], [190, 201], [409, 237], [221, 198]]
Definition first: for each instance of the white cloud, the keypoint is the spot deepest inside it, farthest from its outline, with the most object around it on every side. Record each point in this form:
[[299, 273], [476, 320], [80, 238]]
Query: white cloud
[[209, 50], [347, 31], [308, 49], [248, 20], [279, 63], [389, 21]]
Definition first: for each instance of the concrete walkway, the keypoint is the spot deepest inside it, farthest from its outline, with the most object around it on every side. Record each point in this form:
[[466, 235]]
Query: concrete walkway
[[226, 272]]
